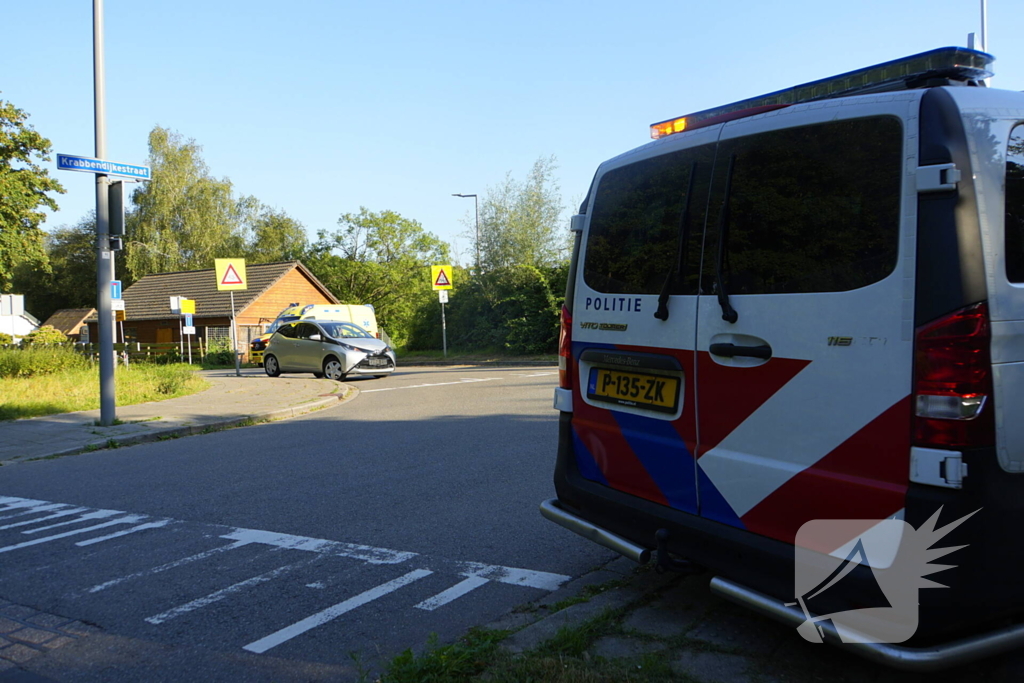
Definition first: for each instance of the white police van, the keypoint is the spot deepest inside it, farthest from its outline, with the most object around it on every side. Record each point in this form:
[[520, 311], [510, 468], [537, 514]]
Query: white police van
[[809, 306]]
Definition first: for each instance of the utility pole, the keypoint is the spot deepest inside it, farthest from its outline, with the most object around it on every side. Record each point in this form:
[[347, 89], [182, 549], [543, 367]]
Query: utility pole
[[104, 255]]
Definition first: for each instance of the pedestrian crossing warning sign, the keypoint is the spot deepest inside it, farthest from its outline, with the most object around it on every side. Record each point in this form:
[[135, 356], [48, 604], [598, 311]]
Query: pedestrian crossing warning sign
[[230, 273], [441, 277]]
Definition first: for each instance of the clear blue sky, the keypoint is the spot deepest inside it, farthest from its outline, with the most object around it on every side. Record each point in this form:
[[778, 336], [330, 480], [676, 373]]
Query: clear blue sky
[[320, 107]]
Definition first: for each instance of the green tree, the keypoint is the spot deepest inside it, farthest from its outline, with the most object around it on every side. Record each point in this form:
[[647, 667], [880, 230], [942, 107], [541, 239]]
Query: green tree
[[510, 310], [381, 260], [519, 221], [24, 190], [183, 218], [70, 281], [271, 234]]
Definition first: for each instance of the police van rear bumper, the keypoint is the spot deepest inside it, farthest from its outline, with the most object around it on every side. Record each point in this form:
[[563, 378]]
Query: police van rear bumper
[[983, 594], [916, 659]]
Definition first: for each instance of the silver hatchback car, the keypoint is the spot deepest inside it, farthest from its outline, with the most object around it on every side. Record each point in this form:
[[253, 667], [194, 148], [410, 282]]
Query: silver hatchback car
[[334, 350]]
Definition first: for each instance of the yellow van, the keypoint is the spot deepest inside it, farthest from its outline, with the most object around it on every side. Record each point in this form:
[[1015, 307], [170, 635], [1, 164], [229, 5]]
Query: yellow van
[[362, 315]]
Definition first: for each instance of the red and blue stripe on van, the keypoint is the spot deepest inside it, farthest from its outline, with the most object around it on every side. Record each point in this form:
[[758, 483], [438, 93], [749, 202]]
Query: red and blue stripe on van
[[659, 460]]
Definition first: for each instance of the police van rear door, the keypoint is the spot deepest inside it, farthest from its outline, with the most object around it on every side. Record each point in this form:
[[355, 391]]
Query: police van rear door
[[805, 319], [634, 316]]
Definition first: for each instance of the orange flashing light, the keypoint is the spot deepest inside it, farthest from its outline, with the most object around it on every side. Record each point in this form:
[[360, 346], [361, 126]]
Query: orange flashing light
[[660, 130]]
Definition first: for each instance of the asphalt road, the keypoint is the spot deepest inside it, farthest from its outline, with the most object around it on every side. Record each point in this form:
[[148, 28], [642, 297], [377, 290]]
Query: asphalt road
[[318, 547]]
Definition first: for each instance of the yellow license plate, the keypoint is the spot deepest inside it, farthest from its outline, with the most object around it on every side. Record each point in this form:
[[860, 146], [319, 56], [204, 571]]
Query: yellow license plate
[[655, 392]]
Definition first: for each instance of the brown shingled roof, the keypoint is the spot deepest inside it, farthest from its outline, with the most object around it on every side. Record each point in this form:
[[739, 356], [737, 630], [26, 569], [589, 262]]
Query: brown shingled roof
[[149, 298], [68, 320]]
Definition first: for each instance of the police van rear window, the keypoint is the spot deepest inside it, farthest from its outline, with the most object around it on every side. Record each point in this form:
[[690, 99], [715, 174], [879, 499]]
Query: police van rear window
[[637, 223], [811, 209], [1015, 206]]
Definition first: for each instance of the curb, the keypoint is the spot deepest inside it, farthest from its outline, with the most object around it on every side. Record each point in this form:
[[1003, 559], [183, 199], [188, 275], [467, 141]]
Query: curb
[[535, 623], [192, 430]]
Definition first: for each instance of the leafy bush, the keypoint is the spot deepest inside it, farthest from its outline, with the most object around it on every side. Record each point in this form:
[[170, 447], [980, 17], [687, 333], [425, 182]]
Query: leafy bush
[[219, 358], [169, 357], [6, 339], [40, 360], [47, 335], [511, 309]]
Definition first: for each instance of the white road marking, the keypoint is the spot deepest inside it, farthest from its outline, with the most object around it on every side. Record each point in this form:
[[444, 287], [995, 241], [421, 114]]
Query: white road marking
[[130, 519], [34, 509], [365, 553], [453, 593], [475, 574], [170, 565], [119, 534], [216, 596], [98, 514], [512, 575], [287, 633], [65, 513], [435, 384]]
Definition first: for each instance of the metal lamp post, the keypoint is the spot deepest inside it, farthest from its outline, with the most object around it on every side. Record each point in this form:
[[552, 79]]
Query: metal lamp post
[[476, 210]]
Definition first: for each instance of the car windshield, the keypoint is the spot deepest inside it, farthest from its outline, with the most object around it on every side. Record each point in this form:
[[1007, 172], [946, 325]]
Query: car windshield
[[344, 330], [281, 321]]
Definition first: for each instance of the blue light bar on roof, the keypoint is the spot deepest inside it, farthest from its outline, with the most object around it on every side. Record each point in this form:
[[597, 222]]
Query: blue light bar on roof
[[954, 63]]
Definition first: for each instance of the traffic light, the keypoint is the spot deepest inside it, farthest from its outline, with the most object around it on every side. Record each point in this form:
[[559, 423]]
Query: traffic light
[[115, 198], [115, 195]]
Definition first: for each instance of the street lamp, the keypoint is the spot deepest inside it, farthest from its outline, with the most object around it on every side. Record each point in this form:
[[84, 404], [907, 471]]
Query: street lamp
[[476, 209]]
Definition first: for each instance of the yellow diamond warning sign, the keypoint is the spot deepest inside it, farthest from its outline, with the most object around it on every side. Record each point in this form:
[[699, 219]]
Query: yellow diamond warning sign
[[441, 277], [230, 273]]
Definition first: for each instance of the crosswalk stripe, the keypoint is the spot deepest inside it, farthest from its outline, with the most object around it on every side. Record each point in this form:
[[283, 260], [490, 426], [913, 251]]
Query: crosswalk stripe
[[216, 596], [287, 633], [170, 565], [453, 593], [46, 539]]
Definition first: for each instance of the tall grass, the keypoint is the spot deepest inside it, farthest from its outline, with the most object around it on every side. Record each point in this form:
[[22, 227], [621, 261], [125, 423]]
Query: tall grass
[[39, 360], [77, 388]]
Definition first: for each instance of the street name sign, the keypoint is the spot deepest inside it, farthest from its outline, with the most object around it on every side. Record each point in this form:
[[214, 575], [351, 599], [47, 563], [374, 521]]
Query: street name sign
[[72, 162]]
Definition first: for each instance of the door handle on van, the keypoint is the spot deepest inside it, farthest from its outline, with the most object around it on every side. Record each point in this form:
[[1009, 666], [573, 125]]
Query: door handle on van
[[731, 350]]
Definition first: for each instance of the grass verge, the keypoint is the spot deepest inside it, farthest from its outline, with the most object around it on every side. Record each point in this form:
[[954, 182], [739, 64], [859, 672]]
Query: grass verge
[[77, 389]]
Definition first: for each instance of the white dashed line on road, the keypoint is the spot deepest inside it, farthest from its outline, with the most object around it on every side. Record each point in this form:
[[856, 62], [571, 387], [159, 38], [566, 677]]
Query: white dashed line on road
[[453, 593], [468, 576], [170, 565], [433, 384], [298, 628], [217, 596], [46, 539]]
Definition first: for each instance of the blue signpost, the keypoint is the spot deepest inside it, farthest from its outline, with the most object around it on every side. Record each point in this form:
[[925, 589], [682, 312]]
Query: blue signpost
[[72, 162], [115, 289]]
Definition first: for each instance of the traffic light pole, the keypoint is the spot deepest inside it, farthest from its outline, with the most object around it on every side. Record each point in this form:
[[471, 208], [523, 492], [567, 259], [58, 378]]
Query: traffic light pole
[[104, 255]]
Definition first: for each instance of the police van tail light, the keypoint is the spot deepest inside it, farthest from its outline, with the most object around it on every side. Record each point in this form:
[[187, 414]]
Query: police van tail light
[[565, 350], [953, 381]]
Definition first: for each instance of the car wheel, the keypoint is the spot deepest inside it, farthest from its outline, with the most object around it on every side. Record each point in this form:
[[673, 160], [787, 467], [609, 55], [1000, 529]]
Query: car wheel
[[333, 369], [271, 366], [318, 375]]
